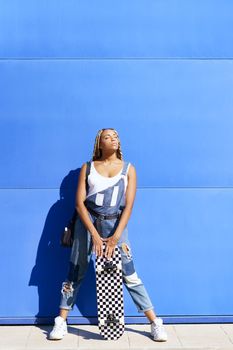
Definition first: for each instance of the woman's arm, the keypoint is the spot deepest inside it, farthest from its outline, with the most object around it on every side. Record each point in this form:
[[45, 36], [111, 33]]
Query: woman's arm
[[129, 201], [83, 212]]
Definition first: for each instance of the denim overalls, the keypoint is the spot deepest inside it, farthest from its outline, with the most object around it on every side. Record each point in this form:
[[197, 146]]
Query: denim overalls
[[112, 201]]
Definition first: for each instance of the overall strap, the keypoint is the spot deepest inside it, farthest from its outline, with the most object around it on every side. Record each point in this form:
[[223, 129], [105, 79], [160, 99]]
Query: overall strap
[[87, 172], [125, 168]]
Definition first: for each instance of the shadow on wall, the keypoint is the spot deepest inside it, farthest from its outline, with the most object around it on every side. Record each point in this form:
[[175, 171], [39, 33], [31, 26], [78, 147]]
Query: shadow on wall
[[52, 260]]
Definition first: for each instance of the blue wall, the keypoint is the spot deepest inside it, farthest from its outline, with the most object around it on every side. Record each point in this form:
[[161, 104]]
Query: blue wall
[[161, 73]]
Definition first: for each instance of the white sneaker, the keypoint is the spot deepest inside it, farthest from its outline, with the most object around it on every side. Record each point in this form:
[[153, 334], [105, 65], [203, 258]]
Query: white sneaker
[[158, 332], [59, 329]]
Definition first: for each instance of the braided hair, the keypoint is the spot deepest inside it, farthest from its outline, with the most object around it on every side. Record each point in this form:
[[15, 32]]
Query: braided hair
[[97, 153]]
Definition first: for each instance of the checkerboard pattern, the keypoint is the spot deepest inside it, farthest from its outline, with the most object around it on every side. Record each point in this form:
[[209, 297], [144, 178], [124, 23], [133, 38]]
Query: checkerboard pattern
[[110, 296]]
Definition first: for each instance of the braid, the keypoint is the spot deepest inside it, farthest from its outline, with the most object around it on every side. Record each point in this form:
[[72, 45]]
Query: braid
[[97, 153]]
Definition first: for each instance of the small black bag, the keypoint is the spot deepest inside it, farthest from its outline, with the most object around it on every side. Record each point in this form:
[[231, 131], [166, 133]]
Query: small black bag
[[67, 237]]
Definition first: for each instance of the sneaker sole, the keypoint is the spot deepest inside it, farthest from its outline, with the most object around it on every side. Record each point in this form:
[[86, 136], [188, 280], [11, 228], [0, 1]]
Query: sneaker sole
[[56, 338], [160, 340]]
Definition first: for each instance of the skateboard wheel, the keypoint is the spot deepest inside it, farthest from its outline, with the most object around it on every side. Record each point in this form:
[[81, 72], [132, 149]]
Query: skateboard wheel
[[122, 320], [101, 322], [119, 267], [99, 269]]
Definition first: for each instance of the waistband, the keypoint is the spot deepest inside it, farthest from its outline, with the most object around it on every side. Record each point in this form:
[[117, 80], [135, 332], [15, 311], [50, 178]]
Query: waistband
[[104, 217]]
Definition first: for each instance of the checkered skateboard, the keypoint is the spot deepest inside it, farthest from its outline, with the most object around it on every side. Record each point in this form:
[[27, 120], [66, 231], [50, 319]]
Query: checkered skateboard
[[110, 304]]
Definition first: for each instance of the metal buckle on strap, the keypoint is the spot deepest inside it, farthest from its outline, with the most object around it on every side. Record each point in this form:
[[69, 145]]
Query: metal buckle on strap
[[100, 216]]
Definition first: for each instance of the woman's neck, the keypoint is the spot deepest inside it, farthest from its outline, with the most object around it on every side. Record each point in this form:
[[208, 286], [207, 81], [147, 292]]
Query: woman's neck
[[108, 158]]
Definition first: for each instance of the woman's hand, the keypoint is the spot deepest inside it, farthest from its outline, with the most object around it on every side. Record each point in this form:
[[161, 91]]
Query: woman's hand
[[110, 246], [97, 245]]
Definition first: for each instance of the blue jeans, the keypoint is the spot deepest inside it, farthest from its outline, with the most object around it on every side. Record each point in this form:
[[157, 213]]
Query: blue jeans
[[80, 258]]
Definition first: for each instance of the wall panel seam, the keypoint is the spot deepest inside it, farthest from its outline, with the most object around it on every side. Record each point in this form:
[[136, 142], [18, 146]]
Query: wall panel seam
[[116, 59]]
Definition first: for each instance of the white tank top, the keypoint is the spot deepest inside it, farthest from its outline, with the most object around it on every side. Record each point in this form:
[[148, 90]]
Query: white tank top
[[98, 182]]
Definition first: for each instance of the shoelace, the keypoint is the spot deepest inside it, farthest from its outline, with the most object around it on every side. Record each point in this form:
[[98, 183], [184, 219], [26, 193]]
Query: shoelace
[[157, 328]]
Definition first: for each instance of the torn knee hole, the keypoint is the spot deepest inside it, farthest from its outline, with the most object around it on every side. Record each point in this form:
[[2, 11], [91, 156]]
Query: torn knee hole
[[126, 250]]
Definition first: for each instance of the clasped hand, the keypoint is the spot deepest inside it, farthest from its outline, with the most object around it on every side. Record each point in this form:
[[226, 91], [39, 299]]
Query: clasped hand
[[110, 246]]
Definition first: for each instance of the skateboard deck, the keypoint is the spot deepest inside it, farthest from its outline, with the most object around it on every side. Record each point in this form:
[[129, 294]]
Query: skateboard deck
[[110, 303]]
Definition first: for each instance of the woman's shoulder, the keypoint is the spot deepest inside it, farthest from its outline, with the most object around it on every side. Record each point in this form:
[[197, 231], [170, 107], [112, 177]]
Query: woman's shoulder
[[129, 163], [129, 168], [86, 165]]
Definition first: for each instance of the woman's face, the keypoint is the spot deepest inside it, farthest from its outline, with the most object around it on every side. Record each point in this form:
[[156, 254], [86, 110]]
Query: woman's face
[[109, 140]]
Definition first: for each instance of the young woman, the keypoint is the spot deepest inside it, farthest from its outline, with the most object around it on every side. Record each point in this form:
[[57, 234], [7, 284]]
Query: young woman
[[103, 214]]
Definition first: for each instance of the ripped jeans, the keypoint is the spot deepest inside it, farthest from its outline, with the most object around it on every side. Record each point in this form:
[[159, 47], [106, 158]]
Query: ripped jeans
[[80, 258]]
